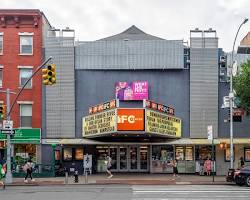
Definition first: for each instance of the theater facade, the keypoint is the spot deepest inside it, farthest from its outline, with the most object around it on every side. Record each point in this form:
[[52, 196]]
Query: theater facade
[[141, 99]]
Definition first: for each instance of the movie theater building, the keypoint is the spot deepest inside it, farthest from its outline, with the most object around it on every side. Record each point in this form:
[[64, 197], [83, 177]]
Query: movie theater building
[[139, 98]]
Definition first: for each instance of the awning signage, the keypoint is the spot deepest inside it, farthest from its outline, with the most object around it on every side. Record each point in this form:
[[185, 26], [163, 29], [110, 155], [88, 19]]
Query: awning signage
[[163, 124], [100, 123], [25, 136]]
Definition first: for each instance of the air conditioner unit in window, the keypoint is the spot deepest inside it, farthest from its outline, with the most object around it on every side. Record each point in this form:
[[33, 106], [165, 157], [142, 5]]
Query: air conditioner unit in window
[[222, 59]]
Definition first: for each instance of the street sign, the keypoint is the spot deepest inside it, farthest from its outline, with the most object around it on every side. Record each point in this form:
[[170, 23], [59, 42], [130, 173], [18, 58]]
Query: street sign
[[7, 124], [8, 131], [210, 132]]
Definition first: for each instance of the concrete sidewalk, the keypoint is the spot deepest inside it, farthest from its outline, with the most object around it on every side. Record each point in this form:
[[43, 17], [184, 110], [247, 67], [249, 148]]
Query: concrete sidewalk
[[131, 179]]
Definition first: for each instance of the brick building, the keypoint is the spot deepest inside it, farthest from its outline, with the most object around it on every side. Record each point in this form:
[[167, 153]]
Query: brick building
[[21, 42]]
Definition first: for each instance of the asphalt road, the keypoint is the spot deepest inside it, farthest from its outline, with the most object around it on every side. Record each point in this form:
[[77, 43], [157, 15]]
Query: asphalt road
[[125, 192]]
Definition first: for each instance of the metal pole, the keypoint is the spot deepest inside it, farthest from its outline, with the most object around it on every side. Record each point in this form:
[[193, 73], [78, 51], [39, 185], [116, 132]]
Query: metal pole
[[213, 161], [8, 174], [231, 100]]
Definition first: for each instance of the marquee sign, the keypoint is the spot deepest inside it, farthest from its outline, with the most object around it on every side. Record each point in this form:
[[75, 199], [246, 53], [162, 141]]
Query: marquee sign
[[102, 107], [160, 123], [104, 122], [159, 107]]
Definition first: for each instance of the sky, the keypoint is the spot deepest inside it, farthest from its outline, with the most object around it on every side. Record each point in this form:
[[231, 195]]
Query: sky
[[168, 19]]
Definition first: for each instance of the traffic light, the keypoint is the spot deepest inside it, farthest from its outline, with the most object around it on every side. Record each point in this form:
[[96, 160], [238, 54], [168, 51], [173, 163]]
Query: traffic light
[[2, 112], [49, 75]]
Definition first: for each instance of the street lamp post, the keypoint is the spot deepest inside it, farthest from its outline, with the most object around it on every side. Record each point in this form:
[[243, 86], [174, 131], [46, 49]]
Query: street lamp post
[[231, 100]]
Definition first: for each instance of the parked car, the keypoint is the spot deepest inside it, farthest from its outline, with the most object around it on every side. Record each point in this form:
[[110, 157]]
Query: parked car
[[242, 176]]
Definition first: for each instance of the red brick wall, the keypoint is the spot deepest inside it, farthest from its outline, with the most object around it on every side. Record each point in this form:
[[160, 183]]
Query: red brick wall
[[11, 59]]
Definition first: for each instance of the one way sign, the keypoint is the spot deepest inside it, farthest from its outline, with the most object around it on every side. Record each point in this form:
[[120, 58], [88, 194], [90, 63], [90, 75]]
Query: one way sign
[[7, 125]]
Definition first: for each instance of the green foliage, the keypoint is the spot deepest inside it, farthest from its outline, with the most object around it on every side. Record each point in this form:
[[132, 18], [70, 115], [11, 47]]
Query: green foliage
[[241, 85]]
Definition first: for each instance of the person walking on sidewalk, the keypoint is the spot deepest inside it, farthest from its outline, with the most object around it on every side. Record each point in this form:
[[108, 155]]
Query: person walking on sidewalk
[[241, 163], [201, 170], [175, 168], [28, 167], [109, 165], [2, 174]]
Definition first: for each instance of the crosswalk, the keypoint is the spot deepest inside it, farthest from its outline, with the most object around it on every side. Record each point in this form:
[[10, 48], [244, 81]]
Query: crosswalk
[[189, 192]]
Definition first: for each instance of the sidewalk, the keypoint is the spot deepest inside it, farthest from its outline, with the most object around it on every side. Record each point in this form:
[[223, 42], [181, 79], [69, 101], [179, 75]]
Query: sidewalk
[[130, 179]]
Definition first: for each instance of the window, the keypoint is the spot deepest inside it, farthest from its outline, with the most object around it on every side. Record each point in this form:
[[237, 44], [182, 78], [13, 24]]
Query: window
[[1, 76], [1, 44], [25, 74], [25, 115], [247, 154], [26, 44]]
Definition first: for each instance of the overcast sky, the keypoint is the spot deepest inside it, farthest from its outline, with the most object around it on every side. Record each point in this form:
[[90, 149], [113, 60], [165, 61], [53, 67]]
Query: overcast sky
[[168, 19]]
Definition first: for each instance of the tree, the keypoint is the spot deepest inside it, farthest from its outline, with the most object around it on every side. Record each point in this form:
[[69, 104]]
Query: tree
[[241, 85]]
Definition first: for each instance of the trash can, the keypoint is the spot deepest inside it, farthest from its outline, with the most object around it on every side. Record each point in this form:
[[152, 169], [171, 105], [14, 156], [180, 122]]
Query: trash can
[[230, 175]]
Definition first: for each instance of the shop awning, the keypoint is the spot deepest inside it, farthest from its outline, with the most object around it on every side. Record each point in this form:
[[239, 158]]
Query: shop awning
[[71, 141], [182, 141]]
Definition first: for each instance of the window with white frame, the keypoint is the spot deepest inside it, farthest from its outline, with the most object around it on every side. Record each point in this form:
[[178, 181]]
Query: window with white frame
[[25, 115], [26, 44], [25, 74], [1, 44], [1, 76]]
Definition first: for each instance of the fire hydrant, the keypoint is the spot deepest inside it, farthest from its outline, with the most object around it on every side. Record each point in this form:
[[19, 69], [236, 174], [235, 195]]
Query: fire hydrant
[[76, 176]]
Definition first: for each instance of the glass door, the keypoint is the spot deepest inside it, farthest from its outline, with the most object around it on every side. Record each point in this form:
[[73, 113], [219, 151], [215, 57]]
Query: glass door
[[133, 158], [143, 158], [113, 155], [123, 159]]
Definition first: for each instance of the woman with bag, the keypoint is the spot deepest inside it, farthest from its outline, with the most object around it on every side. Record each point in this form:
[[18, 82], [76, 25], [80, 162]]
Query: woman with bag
[[2, 174], [28, 168]]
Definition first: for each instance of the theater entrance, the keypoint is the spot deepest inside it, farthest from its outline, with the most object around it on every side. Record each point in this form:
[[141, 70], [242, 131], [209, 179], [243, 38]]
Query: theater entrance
[[125, 158]]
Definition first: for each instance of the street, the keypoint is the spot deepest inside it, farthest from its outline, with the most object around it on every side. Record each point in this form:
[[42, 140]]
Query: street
[[125, 192]]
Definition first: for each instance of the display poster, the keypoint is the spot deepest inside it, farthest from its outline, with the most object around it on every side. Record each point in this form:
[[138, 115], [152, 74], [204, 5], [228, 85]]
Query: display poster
[[227, 154], [79, 154], [161, 123], [247, 154], [57, 154], [136, 90], [189, 155], [130, 120], [67, 154], [87, 162], [104, 122], [179, 153]]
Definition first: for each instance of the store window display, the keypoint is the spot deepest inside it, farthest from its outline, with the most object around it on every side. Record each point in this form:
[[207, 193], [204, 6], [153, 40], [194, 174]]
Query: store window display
[[162, 156]]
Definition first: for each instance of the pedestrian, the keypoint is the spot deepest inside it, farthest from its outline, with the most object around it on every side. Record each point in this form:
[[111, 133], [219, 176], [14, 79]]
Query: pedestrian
[[2, 174], [28, 167], [201, 169], [241, 162], [175, 168], [109, 165], [208, 166]]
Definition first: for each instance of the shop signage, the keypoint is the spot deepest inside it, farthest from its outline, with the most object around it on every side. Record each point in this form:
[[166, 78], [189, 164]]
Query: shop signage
[[130, 120], [161, 123], [137, 90], [102, 107], [25, 136], [104, 122], [159, 107]]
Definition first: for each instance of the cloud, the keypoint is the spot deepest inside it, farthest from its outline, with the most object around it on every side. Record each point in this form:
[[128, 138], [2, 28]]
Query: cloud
[[96, 19]]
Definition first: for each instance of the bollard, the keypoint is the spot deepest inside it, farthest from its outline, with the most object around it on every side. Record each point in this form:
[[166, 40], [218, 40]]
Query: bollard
[[76, 177], [86, 177], [66, 177]]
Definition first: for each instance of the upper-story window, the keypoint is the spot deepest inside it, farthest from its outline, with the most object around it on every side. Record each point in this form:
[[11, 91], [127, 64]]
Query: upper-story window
[[25, 74], [25, 115], [1, 43], [26, 43]]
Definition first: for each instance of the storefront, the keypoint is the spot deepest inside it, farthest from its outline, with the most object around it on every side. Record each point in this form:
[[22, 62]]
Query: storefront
[[25, 145]]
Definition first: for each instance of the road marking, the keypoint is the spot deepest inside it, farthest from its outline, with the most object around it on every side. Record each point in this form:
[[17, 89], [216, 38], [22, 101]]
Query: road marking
[[189, 191]]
